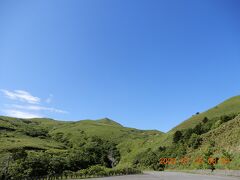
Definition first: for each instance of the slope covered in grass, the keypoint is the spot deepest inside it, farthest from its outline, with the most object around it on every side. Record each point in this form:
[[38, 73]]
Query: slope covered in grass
[[218, 126], [227, 135], [52, 135], [225, 138], [43, 134], [229, 106]]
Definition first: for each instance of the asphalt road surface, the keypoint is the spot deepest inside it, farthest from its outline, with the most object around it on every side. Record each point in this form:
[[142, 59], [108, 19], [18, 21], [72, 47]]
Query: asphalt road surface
[[169, 176]]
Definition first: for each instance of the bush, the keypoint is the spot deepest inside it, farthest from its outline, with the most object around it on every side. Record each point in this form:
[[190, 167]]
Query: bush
[[127, 170], [177, 136], [226, 118], [149, 159], [97, 170], [205, 120], [93, 154], [36, 132], [34, 165], [195, 141]]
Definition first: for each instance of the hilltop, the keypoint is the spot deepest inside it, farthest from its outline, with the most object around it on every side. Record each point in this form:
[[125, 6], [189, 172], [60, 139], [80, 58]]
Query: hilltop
[[217, 128], [40, 134]]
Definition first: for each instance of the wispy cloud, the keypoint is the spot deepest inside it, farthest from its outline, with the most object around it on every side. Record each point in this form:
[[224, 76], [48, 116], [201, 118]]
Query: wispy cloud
[[49, 99], [21, 95], [38, 108], [25, 105], [20, 114]]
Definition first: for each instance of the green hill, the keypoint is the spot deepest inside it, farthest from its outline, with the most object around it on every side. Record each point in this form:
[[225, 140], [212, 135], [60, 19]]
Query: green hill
[[229, 106], [108, 122], [219, 125], [40, 133], [222, 127], [224, 138]]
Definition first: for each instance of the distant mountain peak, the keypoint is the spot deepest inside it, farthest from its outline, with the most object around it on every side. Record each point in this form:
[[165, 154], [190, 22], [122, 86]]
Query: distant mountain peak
[[109, 122]]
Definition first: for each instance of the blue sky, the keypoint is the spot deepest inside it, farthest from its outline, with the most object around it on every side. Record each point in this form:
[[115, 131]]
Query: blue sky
[[146, 64]]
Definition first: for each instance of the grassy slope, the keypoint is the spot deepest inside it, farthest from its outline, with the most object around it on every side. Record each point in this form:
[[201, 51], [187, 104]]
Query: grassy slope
[[231, 105], [226, 137], [11, 135], [130, 141]]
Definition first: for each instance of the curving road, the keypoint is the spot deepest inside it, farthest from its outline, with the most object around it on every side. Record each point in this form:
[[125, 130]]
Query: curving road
[[169, 176]]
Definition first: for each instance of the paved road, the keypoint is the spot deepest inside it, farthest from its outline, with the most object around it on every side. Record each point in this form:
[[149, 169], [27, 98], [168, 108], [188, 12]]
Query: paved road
[[168, 176]]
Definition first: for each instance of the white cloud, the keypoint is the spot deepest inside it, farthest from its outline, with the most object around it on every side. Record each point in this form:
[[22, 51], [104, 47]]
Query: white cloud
[[49, 99], [39, 108], [26, 105], [20, 114], [21, 95]]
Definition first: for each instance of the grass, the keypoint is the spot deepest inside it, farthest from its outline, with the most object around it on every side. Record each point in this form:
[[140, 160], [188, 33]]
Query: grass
[[130, 141], [231, 105]]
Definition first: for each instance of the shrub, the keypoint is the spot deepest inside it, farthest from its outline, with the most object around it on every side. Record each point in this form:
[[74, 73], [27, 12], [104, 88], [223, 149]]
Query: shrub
[[148, 159], [97, 170], [205, 120], [177, 136], [195, 141], [36, 132]]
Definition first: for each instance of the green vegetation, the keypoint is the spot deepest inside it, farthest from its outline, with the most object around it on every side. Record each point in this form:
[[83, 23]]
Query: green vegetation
[[58, 147], [46, 147], [21, 163], [229, 106], [194, 139]]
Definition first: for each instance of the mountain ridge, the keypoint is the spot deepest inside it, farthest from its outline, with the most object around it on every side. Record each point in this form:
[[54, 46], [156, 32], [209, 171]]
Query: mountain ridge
[[57, 136]]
